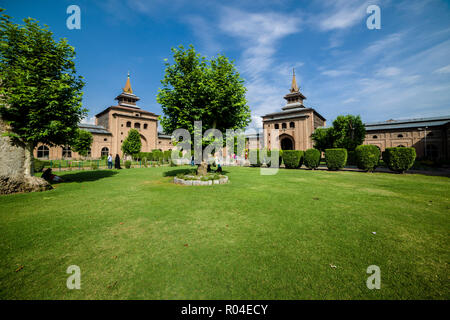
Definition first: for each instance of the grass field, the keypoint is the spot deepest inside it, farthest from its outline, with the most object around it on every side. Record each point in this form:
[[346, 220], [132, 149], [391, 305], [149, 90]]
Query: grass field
[[136, 235]]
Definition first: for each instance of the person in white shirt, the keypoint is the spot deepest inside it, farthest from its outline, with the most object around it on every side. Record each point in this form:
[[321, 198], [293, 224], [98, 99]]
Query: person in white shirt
[[110, 163]]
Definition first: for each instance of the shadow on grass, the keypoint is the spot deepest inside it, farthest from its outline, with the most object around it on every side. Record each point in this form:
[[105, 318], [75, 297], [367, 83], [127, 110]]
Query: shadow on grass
[[173, 173], [85, 176]]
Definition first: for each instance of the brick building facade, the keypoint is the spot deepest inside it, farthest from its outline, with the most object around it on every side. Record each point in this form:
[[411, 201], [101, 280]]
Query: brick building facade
[[111, 128]]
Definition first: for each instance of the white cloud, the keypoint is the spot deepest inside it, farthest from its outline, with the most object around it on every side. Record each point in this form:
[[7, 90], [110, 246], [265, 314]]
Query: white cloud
[[341, 14], [205, 32], [445, 69], [259, 34], [349, 100], [336, 73], [388, 72], [90, 120]]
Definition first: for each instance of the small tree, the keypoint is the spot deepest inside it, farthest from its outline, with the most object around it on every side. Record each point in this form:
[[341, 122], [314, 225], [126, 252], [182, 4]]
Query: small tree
[[82, 142], [40, 91], [323, 138], [348, 132], [197, 89], [132, 144]]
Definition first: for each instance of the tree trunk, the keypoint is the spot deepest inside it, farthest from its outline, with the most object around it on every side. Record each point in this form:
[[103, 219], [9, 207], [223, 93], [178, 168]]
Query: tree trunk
[[16, 167], [28, 165]]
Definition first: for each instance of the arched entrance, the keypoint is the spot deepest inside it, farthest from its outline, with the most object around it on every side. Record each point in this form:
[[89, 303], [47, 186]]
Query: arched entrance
[[144, 143], [286, 142]]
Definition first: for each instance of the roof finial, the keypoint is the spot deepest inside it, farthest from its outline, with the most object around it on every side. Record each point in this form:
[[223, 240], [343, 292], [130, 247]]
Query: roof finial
[[127, 88], [294, 86]]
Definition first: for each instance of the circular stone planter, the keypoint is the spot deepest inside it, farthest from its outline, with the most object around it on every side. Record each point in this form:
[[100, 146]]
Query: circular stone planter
[[198, 182]]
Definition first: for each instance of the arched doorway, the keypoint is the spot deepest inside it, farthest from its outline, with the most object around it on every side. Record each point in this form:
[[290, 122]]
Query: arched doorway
[[286, 142], [144, 143]]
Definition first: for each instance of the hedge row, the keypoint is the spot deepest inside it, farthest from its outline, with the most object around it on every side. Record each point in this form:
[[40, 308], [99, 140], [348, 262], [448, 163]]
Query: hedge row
[[155, 155]]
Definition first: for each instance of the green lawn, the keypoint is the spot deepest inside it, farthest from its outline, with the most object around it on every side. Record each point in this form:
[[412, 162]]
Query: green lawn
[[136, 235]]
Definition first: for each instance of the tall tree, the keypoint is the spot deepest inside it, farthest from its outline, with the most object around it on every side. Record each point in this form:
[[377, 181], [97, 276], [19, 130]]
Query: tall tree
[[348, 132], [323, 138], [195, 89], [132, 144], [82, 142], [40, 90]]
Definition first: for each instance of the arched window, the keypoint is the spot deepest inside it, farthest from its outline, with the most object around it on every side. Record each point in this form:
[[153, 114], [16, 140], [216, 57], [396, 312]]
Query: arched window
[[277, 126], [399, 136], [291, 125], [137, 125], [43, 152], [66, 152], [432, 151], [375, 137], [400, 146], [129, 124], [283, 125], [105, 152]]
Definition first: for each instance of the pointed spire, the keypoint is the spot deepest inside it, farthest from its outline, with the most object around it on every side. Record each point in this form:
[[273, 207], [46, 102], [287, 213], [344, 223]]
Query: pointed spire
[[294, 86], [127, 88]]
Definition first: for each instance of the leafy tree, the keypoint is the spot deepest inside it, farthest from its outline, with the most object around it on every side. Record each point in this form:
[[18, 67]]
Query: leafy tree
[[195, 89], [348, 132], [132, 144], [82, 142], [323, 138], [40, 91]]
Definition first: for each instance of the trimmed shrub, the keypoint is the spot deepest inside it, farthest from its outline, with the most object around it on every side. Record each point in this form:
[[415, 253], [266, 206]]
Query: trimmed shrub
[[253, 156], [268, 159], [94, 166], [128, 164], [336, 158], [292, 158], [367, 157], [312, 158], [399, 159], [167, 155]]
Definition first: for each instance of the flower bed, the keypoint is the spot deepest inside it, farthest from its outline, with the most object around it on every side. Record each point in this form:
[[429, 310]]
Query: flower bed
[[194, 180]]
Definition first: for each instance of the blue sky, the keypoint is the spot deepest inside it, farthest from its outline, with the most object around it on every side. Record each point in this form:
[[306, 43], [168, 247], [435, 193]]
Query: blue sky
[[399, 71]]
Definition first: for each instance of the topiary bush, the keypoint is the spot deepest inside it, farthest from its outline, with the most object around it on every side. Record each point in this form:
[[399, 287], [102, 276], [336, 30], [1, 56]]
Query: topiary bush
[[268, 159], [292, 158], [128, 164], [335, 158], [167, 155], [367, 157], [312, 158], [253, 156], [399, 159]]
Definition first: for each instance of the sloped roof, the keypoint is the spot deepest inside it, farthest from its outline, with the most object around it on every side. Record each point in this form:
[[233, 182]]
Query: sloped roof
[[92, 128], [408, 123]]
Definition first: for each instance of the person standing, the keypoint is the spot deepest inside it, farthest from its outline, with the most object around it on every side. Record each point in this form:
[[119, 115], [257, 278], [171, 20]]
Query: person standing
[[110, 164], [117, 162]]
